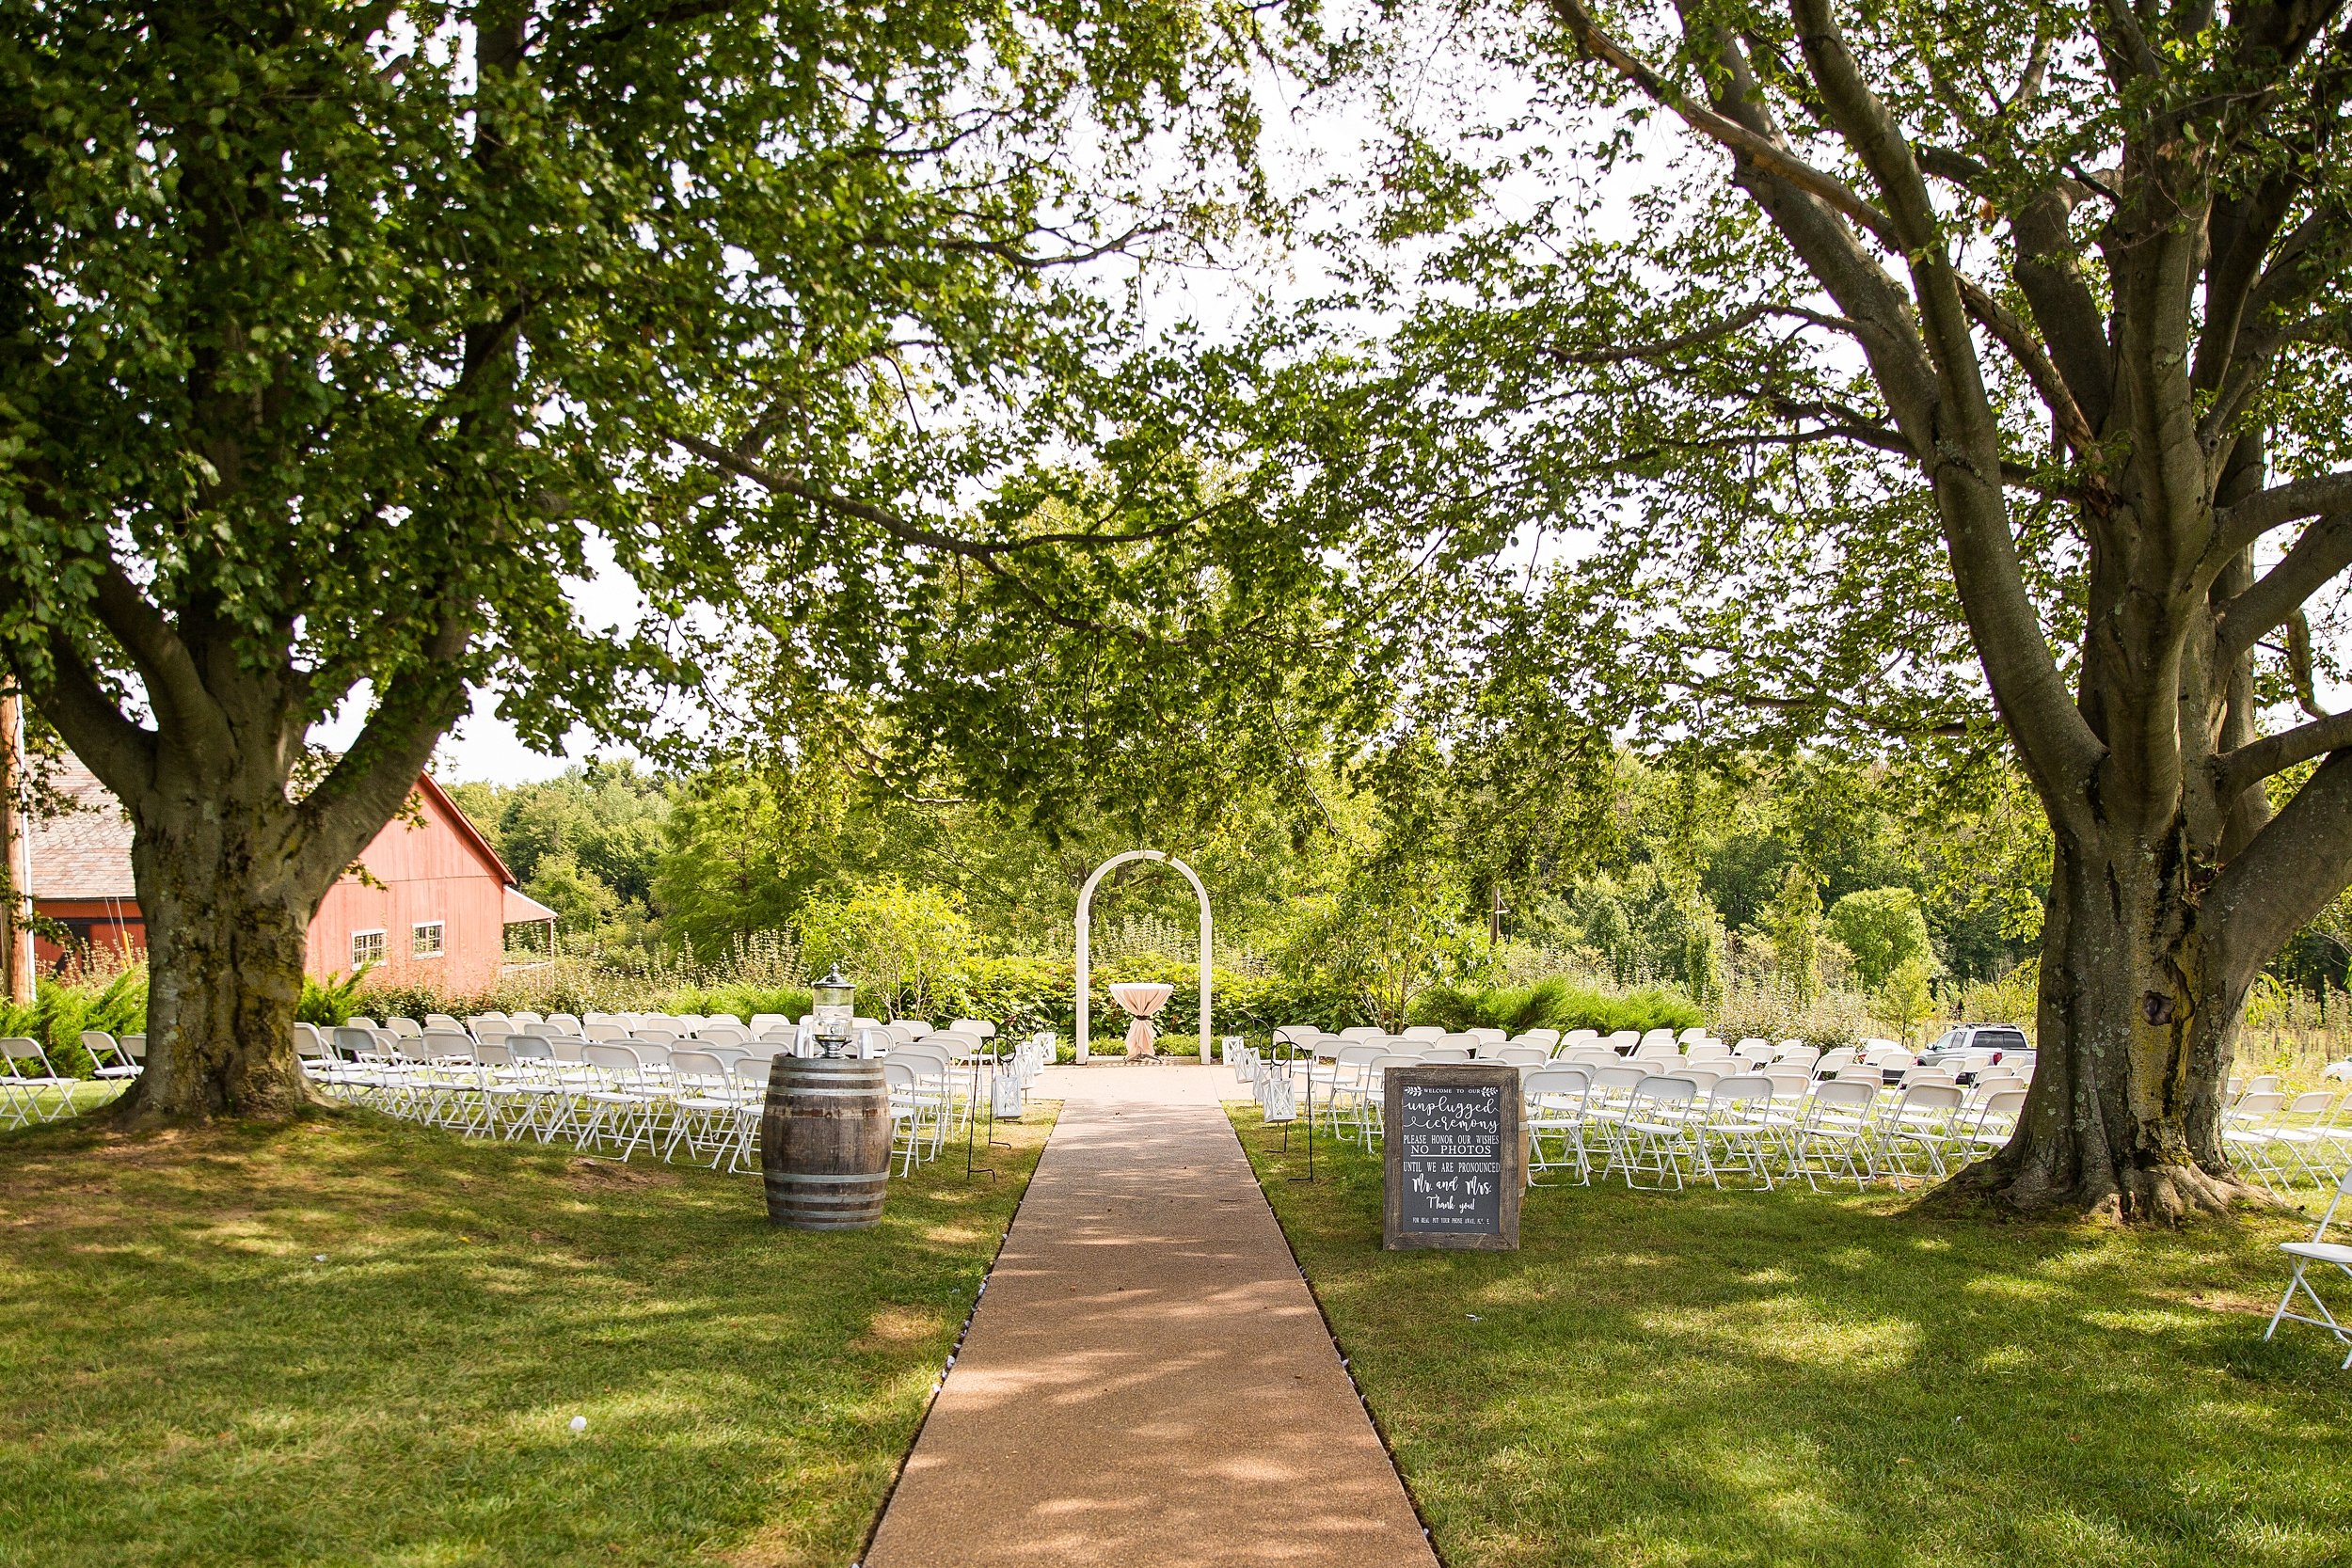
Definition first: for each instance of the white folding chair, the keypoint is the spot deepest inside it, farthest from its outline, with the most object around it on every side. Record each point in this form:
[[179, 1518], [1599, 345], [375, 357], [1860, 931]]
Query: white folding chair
[[1555, 1097], [2319, 1249], [106, 1058], [1653, 1139], [1736, 1130], [2303, 1130], [1920, 1118], [2250, 1137], [1833, 1139]]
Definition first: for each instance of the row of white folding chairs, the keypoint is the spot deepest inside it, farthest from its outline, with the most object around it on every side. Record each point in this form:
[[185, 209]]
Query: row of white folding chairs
[[664, 1096], [598, 1094], [32, 1089], [2285, 1140], [1665, 1129]]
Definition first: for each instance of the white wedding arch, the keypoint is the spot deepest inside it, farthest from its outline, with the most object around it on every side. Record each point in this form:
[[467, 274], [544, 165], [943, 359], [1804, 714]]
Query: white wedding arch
[[1085, 910]]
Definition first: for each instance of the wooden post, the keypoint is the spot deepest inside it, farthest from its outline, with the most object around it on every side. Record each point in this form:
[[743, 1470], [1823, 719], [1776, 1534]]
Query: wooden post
[[16, 863], [1455, 1157]]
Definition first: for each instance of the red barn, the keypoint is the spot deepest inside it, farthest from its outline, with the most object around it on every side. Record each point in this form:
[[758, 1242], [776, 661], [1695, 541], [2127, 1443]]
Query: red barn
[[431, 909]]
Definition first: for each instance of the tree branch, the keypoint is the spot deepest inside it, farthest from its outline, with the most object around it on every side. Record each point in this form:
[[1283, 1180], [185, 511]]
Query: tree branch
[[2323, 552], [1763, 152], [2250, 764], [2013, 334], [121, 753], [1666, 347], [164, 662], [2236, 527], [2294, 868], [349, 807]]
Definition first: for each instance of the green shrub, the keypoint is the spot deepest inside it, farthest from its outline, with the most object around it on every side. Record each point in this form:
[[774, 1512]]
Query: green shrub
[[330, 1003], [1554, 1004], [114, 1001]]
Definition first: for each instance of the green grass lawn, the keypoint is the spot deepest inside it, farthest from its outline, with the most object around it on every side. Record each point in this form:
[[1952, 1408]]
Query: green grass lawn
[[358, 1341], [1748, 1378]]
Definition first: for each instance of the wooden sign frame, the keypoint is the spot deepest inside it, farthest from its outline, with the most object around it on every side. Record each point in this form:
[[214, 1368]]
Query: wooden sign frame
[[1511, 1180]]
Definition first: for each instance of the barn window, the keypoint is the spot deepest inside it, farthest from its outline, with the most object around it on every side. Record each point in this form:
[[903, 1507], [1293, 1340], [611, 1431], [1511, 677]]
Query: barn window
[[426, 939], [367, 947]]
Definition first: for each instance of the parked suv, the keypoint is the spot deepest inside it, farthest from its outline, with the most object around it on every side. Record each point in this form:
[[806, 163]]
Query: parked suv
[[1971, 1048]]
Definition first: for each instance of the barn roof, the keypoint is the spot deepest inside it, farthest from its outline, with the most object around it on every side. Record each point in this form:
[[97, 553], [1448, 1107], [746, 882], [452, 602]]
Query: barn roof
[[85, 852]]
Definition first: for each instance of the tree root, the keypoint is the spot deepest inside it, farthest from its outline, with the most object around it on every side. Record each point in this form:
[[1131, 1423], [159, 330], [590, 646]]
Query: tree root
[[2169, 1194], [298, 1100]]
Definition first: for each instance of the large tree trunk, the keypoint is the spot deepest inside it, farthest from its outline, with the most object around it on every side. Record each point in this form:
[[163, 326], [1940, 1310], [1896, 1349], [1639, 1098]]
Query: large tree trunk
[[2137, 1019], [228, 916]]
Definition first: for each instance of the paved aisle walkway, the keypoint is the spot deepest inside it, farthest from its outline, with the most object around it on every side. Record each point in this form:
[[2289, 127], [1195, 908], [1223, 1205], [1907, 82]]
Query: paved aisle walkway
[[1147, 1382]]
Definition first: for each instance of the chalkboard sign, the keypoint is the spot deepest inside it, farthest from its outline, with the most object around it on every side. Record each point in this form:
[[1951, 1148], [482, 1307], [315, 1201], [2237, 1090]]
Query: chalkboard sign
[[1456, 1159]]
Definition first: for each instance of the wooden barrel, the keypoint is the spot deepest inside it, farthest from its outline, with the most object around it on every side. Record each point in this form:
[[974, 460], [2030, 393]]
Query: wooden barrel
[[824, 1143]]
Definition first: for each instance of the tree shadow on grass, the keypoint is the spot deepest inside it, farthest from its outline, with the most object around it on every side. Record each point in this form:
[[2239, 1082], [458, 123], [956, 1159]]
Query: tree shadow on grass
[[1769, 1378], [362, 1341]]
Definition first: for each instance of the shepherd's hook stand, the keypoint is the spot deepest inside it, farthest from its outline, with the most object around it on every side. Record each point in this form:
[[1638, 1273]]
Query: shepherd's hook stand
[[1311, 1121], [970, 1124]]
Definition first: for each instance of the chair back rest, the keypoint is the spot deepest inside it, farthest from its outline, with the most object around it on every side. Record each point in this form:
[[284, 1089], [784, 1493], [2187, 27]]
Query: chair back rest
[[523, 1048], [2007, 1102], [2257, 1104], [976, 1026], [23, 1047], [1848, 1095], [2262, 1083], [1929, 1096], [767, 1021], [441, 1020], [446, 1042], [1798, 1053], [1523, 1056], [723, 1034], [407, 1028], [2310, 1103], [1699, 1077], [134, 1046], [353, 1040], [1362, 1053], [1557, 1080], [1394, 1058], [1664, 1094], [1580, 1036], [1618, 1077], [1790, 1085], [1747, 1089], [524, 1015], [607, 1058], [697, 1064], [924, 1057], [1487, 1037], [494, 1053], [564, 1048], [897, 1074], [1544, 1037], [1445, 1053]]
